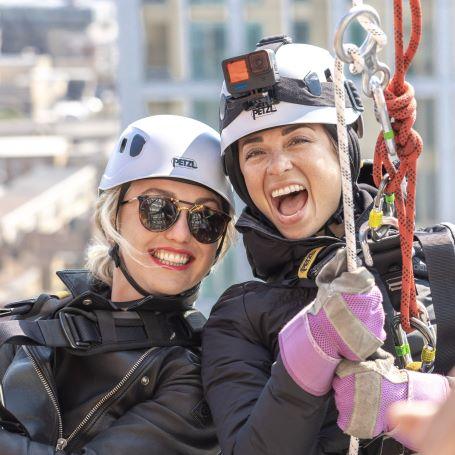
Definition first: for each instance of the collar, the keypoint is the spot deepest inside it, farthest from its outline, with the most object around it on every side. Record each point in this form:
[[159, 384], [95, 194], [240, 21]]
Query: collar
[[83, 285], [273, 257]]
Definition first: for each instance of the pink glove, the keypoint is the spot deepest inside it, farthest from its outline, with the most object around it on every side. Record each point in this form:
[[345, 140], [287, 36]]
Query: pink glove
[[345, 320], [365, 390]]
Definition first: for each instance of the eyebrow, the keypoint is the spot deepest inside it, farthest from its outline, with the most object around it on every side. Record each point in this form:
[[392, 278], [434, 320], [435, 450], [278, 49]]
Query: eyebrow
[[201, 200], [291, 128], [286, 130], [252, 140]]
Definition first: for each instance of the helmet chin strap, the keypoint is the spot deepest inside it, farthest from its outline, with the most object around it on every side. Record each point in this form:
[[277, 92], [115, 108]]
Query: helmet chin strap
[[114, 253]]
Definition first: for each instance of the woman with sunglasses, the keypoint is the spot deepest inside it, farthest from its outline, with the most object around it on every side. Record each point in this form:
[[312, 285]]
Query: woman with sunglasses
[[113, 367], [271, 349]]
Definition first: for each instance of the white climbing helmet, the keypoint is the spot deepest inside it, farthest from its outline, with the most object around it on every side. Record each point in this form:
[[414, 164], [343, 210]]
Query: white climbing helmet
[[303, 94], [169, 146]]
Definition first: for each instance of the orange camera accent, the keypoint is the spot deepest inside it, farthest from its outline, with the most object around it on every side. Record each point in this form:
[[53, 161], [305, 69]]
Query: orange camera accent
[[238, 71]]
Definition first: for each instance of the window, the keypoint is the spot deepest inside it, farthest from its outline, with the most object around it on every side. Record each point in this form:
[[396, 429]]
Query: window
[[301, 32], [157, 50], [423, 63], [165, 107], [208, 47], [253, 35], [205, 2], [426, 178], [207, 112]]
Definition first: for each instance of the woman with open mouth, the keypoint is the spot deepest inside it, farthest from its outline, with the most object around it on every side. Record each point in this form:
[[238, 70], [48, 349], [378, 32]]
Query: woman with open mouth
[[272, 348], [112, 366]]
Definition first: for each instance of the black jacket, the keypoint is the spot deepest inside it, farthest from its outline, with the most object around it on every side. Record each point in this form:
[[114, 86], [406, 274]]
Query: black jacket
[[143, 401], [256, 406]]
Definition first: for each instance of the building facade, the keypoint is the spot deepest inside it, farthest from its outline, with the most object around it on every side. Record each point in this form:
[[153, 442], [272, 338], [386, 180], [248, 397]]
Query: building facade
[[170, 53]]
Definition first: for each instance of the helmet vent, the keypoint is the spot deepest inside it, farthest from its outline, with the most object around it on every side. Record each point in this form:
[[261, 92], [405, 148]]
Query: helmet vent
[[136, 145], [312, 82], [123, 144]]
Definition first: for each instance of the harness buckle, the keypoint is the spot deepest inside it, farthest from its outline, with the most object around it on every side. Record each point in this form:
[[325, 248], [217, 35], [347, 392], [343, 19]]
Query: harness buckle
[[69, 327]]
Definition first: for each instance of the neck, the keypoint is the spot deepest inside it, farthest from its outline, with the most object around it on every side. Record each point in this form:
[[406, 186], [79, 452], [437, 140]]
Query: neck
[[337, 229], [122, 291]]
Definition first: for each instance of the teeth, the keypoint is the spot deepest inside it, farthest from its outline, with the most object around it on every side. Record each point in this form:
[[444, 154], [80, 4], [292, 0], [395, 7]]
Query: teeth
[[171, 258], [287, 190]]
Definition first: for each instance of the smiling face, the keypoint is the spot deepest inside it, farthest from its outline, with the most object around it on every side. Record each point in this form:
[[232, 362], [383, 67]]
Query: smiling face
[[293, 177], [167, 262]]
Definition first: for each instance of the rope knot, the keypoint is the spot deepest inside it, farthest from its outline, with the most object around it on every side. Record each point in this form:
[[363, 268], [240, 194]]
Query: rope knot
[[403, 109]]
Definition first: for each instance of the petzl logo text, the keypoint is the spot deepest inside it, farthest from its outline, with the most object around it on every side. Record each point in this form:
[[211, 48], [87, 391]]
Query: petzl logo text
[[184, 162], [263, 110]]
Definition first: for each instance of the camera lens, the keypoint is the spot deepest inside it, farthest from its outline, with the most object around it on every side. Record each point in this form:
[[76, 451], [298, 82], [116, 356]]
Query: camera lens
[[259, 62]]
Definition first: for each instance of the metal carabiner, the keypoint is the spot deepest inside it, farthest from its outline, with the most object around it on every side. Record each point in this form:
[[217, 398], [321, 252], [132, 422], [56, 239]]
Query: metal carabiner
[[368, 44], [383, 205], [376, 75], [403, 350], [368, 49], [365, 229], [381, 112]]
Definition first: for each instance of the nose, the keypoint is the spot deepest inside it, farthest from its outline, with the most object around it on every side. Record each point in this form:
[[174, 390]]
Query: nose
[[279, 162], [179, 232]]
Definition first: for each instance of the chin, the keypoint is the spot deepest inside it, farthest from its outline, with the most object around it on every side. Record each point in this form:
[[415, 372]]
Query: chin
[[297, 232], [171, 288]]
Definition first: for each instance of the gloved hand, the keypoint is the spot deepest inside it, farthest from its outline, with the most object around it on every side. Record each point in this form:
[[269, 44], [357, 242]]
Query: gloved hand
[[345, 320], [365, 390]]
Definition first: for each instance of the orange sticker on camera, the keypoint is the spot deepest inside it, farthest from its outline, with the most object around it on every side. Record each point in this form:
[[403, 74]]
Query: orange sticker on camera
[[238, 71]]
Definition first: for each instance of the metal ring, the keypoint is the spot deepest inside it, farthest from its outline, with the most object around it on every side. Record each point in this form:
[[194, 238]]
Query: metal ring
[[425, 331], [421, 327], [368, 44], [377, 68]]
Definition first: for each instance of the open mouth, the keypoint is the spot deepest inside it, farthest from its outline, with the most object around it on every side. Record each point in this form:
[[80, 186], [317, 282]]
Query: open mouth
[[171, 259], [289, 200]]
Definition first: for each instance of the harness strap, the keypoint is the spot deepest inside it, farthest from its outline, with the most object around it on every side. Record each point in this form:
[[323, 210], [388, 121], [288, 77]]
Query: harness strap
[[439, 249], [104, 331]]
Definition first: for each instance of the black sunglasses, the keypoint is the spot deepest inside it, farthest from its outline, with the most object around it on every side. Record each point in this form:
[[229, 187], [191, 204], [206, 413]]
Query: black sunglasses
[[159, 213]]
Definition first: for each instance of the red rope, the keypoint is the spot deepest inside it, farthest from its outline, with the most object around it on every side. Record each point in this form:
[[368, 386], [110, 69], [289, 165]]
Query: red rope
[[401, 105]]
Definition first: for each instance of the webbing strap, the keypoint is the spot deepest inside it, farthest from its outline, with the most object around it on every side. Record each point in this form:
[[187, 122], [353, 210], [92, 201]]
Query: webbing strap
[[439, 249], [48, 333], [103, 331]]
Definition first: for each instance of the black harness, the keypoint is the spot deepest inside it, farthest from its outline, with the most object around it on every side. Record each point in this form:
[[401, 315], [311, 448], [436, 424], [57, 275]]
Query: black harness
[[437, 244], [91, 324]]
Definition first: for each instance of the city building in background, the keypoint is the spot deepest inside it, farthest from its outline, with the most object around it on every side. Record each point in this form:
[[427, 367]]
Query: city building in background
[[170, 54], [58, 118], [64, 63]]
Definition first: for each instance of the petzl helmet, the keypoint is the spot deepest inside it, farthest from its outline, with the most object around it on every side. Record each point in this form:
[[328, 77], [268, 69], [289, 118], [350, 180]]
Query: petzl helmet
[[169, 146], [302, 92]]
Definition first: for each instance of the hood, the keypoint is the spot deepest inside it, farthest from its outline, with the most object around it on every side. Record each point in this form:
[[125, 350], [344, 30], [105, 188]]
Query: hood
[[275, 258]]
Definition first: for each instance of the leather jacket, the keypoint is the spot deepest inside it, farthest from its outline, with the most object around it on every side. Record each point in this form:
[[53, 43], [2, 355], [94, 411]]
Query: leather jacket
[[139, 401], [256, 406]]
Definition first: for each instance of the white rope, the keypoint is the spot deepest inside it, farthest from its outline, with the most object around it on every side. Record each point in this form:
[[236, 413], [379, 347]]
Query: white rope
[[343, 155], [357, 67], [346, 181], [353, 446]]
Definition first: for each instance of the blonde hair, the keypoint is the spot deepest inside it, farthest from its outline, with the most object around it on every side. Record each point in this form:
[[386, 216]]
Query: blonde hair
[[98, 261]]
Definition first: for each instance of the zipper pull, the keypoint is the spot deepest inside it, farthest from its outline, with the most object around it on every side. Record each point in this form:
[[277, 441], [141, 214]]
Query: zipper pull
[[61, 444]]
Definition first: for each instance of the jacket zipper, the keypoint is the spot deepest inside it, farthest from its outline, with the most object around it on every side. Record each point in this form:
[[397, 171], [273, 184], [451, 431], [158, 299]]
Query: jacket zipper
[[61, 441], [49, 391]]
